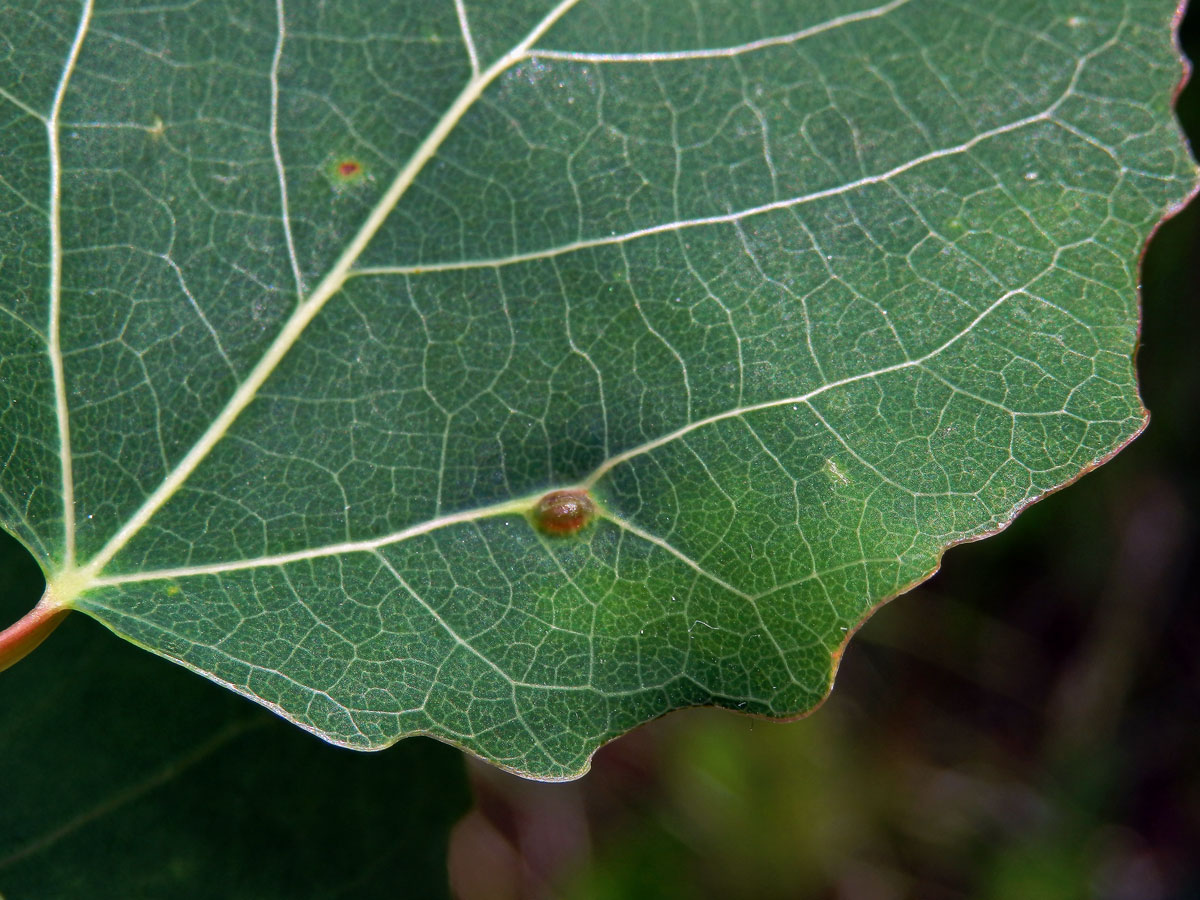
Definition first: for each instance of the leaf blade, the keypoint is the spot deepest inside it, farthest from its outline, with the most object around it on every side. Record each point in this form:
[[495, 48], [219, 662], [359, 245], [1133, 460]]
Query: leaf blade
[[800, 312]]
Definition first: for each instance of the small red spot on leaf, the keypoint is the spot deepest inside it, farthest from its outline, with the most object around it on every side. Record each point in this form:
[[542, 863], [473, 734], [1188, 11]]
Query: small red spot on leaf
[[345, 172], [562, 513]]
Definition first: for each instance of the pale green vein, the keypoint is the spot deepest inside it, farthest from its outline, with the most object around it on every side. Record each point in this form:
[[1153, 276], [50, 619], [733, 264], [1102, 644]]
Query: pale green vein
[[516, 507], [614, 461], [276, 154], [464, 26], [442, 623], [54, 334], [724, 52], [644, 535], [674, 551], [733, 217], [22, 105]]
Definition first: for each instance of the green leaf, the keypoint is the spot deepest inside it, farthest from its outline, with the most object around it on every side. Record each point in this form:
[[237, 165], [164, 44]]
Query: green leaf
[[309, 304], [125, 779]]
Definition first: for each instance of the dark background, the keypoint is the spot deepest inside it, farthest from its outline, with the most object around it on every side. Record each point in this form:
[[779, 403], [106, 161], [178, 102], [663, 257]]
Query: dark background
[[1026, 725]]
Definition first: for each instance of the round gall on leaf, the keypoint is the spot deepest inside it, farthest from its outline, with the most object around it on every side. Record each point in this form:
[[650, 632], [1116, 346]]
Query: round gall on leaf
[[564, 512]]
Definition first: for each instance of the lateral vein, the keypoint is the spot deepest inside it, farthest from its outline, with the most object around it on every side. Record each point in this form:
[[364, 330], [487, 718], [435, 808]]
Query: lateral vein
[[729, 51], [721, 219]]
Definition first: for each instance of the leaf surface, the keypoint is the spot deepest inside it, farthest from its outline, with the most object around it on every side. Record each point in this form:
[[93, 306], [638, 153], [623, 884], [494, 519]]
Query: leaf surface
[[308, 305]]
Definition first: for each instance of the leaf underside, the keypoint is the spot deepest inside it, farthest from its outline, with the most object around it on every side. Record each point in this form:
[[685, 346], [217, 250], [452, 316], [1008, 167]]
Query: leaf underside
[[308, 304]]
